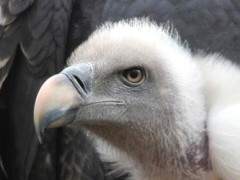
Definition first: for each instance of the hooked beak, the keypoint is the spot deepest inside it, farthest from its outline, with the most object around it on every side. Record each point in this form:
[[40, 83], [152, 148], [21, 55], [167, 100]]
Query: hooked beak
[[60, 96]]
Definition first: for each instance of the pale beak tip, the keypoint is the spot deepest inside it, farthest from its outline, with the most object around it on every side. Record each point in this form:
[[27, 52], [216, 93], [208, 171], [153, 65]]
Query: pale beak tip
[[39, 135], [39, 132]]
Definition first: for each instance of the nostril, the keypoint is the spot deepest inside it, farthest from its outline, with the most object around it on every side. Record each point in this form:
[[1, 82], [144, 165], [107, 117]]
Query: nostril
[[80, 83]]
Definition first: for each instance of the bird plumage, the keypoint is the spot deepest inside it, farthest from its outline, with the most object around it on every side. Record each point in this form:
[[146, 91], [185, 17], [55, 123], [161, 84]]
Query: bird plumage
[[32, 47], [222, 79], [172, 125]]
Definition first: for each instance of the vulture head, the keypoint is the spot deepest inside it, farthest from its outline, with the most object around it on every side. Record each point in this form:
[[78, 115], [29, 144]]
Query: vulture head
[[137, 90]]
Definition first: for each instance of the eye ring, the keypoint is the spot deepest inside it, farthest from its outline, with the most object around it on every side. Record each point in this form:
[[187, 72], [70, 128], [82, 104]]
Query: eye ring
[[133, 76]]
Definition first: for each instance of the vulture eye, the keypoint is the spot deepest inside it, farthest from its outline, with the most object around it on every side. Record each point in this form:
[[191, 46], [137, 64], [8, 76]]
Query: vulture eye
[[133, 76]]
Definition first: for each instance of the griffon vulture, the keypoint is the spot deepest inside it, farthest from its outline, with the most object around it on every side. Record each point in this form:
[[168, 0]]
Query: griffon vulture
[[36, 36], [153, 109]]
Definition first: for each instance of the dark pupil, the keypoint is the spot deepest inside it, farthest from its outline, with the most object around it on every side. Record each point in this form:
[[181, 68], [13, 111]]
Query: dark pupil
[[134, 73]]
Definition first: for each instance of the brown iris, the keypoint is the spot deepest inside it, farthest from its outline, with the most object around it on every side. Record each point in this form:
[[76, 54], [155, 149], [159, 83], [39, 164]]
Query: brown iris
[[133, 75]]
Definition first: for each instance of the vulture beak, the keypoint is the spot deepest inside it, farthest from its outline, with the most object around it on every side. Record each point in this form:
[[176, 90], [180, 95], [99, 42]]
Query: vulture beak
[[60, 96]]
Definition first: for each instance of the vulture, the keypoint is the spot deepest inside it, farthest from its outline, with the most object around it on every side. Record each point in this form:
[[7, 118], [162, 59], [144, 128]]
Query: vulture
[[153, 109], [36, 38]]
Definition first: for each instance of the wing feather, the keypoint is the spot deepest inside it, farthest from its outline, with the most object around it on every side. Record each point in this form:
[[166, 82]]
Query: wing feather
[[33, 35]]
